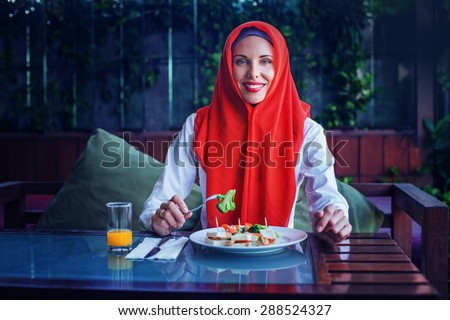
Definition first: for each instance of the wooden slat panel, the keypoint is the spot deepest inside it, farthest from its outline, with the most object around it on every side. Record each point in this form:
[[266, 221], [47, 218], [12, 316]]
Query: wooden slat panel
[[45, 159], [367, 242], [380, 235], [23, 149], [363, 249], [66, 150], [82, 143], [360, 257], [369, 179], [414, 161], [345, 150], [349, 152], [385, 278], [395, 149], [371, 156], [384, 291], [372, 267], [6, 160]]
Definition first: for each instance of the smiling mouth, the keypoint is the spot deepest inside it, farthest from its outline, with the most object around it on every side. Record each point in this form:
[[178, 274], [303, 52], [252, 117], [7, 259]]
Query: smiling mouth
[[253, 87]]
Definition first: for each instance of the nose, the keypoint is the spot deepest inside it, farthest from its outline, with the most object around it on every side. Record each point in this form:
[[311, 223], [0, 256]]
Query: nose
[[253, 71]]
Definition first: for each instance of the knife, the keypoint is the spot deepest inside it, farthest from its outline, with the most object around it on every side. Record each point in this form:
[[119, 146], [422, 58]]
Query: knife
[[157, 248]]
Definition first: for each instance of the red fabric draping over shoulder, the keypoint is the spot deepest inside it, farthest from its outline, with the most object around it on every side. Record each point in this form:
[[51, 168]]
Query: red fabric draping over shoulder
[[252, 149]]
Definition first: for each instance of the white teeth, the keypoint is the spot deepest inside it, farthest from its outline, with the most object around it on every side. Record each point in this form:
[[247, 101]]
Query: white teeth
[[254, 86]]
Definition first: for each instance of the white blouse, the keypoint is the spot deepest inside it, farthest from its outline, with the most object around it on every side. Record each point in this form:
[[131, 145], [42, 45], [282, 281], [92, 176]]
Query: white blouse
[[180, 170]]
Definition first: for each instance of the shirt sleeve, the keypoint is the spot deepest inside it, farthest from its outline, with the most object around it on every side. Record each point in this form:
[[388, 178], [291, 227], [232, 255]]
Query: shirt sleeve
[[317, 165], [177, 176]]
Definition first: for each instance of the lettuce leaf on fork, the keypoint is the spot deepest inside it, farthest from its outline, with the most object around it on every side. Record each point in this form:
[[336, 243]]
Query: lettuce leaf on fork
[[226, 201]]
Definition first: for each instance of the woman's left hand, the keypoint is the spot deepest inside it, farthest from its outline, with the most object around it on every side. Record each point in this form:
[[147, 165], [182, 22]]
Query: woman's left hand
[[331, 225]]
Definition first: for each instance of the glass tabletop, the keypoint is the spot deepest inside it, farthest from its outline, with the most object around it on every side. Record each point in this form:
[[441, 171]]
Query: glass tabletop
[[85, 257]]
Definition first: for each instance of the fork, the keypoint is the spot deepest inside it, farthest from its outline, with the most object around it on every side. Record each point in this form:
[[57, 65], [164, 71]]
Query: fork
[[214, 196]]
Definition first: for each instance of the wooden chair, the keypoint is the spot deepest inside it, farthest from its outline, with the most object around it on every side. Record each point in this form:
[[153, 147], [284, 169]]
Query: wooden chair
[[408, 203]]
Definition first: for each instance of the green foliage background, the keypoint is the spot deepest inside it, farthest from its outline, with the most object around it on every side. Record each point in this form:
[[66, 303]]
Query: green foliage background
[[90, 47]]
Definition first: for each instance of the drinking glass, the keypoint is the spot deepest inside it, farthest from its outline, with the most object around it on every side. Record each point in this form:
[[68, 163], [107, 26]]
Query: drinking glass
[[119, 234]]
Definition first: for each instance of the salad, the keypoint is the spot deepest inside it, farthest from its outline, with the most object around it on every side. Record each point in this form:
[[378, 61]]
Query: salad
[[238, 235], [242, 235]]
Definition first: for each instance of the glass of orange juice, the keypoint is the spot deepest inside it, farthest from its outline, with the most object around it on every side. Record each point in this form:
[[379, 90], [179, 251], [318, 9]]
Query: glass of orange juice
[[119, 235]]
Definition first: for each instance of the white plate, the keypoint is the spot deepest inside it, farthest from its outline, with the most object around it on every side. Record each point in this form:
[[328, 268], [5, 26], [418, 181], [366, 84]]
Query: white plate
[[287, 238]]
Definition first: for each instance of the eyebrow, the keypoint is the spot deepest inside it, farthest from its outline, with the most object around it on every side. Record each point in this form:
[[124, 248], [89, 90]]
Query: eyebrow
[[244, 56]]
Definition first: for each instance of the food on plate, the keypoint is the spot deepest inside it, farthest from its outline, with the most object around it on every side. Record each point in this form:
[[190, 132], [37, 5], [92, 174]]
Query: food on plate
[[219, 235], [218, 238], [255, 228], [267, 236], [241, 238], [217, 242], [226, 201], [242, 235]]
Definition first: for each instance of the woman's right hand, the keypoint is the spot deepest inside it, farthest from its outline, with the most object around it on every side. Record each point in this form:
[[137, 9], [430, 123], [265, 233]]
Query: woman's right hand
[[170, 216]]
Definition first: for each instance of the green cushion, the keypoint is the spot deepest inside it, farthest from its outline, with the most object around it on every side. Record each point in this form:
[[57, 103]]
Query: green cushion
[[108, 170], [363, 215]]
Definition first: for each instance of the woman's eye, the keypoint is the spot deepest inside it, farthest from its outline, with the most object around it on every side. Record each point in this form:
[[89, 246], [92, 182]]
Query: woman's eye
[[241, 61], [266, 61]]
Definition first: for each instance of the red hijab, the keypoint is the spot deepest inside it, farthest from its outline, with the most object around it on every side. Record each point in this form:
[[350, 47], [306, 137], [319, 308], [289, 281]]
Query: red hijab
[[252, 149]]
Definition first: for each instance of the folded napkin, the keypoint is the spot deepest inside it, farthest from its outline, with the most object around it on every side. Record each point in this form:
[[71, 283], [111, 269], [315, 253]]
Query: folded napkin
[[169, 250]]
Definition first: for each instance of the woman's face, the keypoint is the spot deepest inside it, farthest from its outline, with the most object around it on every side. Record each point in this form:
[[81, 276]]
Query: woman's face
[[253, 69]]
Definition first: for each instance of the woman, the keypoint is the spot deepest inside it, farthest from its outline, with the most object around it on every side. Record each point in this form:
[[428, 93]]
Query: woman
[[256, 137]]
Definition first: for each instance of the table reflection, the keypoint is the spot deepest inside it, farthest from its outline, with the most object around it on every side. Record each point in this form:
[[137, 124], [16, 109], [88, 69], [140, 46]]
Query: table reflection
[[204, 265], [120, 269], [86, 258], [289, 266]]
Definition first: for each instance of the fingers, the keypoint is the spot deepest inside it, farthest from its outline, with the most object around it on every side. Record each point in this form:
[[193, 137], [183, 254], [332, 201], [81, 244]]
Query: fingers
[[159, 225], [315, 219], [324, 217], [336, 222], [176, 199], [331, 225], [186, 214], [170, 216], [344, 233]]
